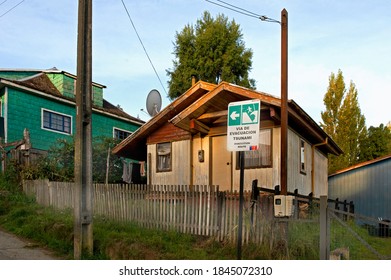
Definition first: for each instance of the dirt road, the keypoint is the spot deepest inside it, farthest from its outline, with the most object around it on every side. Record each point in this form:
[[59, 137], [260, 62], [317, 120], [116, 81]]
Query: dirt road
[[15, 248]]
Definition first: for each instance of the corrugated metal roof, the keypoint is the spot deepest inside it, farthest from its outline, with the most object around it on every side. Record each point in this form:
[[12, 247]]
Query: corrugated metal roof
[[362, 164]]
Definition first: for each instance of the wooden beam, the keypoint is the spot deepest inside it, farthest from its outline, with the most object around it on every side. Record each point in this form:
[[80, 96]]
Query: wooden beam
[[213, 115], [14, 143], [274, 115], [198, 126]]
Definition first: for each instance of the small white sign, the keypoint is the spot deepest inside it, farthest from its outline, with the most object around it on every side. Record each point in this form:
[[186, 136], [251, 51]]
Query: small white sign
[[243, 125]]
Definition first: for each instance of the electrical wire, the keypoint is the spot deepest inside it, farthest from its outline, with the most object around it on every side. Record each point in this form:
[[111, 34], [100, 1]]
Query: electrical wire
[[11, 8], [3, 2], [142, 44], [243, 11]]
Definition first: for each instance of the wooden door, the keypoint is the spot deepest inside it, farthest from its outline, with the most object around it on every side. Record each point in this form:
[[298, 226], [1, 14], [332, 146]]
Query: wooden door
[[221, 164]]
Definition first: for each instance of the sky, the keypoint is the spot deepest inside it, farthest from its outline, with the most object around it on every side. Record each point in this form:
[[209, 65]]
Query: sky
[[353, 36]]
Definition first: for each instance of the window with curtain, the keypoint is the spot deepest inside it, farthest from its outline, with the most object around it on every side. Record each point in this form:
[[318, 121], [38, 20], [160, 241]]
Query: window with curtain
[[163, 156], [261, 157]]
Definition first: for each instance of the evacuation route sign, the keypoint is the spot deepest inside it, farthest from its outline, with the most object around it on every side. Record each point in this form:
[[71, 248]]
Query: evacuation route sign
[[243, 125]]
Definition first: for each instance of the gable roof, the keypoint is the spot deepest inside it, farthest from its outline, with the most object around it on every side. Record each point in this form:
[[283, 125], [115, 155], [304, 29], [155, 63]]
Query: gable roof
[[40, 84], [29, 73], [136, 142], [204, 105]]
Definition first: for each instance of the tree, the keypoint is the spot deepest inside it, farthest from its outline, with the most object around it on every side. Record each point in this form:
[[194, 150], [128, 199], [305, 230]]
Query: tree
[[333, 100], [58, 163], [351, 128], [377, 143], [212, 50], [101, 149], [343, 122]]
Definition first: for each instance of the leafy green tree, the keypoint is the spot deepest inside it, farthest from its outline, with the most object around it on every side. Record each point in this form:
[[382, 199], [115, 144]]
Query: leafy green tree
[[58, 163], [343, 121], [212, 50], [377, 143], [101, 151], [351, 128], [333, 101]]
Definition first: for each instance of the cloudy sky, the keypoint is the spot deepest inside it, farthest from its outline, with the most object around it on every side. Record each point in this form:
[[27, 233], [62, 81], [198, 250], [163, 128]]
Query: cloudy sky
[[324, 36]]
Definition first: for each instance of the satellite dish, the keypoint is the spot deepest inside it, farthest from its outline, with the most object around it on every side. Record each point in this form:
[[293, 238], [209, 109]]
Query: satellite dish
[[154, 102]]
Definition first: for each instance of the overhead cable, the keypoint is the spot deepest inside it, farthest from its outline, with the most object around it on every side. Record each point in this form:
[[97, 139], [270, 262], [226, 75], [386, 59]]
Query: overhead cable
[[141, 42], [11, 8], [242, 11]]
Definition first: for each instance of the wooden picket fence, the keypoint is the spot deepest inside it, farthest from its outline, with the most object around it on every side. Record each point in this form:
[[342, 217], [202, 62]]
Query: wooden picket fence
[[199, 210]]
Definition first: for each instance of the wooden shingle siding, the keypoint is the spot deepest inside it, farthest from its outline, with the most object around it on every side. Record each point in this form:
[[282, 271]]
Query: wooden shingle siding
[[168, 133], [25, 95]]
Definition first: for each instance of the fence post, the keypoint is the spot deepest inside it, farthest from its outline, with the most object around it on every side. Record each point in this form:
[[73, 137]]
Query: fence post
[[254, 198], [345, 209], [296, 204], [351, 207], [310, 203], [324, 245]]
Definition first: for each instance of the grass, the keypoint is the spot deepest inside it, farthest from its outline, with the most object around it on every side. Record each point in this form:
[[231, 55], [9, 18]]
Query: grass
[[53, 229]]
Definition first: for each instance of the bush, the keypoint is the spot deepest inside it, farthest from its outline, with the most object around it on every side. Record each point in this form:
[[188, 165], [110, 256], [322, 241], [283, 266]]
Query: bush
[[58, 163]]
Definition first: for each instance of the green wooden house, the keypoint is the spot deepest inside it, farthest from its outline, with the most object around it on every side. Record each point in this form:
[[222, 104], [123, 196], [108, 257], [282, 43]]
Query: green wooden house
[[43, 102]]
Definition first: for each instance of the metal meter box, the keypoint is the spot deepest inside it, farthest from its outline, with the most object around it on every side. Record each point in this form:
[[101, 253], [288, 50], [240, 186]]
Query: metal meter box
[[283, 205]]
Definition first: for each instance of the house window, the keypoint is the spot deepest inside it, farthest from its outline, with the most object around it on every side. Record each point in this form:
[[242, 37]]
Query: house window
[[302, 156], [163, 156], [261, 157], [120, 133], [56, 121]]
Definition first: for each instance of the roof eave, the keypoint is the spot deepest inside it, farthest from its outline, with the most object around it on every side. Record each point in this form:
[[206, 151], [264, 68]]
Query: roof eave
[[183, 101]]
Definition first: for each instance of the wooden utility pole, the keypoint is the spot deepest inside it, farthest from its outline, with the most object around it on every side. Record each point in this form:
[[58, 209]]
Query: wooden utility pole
[[83, 237], [284, 103]]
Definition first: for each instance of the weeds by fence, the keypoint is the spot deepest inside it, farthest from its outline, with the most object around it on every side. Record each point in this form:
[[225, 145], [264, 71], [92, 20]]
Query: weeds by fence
[[200, 210], [204, 210]]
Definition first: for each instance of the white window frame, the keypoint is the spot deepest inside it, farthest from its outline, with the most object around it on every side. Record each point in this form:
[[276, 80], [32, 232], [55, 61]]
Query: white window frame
[[43, 110], [122, 130]]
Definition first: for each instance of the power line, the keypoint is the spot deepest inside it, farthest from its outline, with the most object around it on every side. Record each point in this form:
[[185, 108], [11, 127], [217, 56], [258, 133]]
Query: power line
[[242, 11], [3, 2], [141, 42], [11, 8], [234, 8]]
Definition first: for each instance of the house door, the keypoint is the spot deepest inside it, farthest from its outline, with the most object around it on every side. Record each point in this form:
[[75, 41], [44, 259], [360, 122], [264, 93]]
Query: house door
[[221, 164]]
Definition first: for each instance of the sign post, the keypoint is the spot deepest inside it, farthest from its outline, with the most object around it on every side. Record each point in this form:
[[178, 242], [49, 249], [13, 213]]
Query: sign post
[[243, 135]]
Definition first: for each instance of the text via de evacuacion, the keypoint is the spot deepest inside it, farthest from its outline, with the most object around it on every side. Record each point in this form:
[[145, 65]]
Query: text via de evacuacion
[[242, 133]]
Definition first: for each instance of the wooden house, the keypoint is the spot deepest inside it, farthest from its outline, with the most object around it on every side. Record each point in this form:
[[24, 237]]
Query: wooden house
[[186, 143], [43, 101]]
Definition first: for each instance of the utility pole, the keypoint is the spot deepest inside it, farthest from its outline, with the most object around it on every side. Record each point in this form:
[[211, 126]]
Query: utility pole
[[83, 237], [284, 103]]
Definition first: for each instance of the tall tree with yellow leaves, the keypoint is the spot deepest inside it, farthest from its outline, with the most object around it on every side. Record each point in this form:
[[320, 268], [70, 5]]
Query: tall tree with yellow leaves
[[343, 122]]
